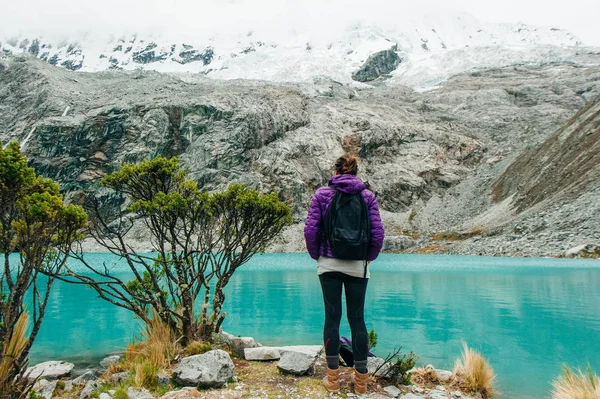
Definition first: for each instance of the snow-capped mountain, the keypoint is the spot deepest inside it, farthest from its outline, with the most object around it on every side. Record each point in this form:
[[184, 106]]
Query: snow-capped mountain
[[431, 49]]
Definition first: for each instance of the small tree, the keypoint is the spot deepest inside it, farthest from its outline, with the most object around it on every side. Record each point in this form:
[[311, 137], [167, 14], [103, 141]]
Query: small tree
[[36, 234], [198, 239]]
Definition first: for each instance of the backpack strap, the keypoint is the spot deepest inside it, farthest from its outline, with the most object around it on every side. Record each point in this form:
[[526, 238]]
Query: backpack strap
[[367, 220]]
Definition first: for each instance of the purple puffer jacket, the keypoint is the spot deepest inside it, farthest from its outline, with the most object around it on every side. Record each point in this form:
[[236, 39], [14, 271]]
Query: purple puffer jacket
[[318, 207]]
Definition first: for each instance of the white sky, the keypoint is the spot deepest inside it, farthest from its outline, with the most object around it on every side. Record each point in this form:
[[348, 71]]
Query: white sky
[[64, 17]]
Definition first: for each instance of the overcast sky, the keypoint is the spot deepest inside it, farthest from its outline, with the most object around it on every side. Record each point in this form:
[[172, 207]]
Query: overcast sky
[[61, 17]]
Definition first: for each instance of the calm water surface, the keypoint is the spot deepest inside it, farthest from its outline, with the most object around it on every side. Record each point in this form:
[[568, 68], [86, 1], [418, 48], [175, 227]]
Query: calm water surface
[[527, 316]]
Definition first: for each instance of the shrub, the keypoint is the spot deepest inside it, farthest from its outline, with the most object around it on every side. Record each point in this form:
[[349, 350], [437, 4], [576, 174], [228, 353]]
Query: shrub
[[576, 384], [199, 241], [197, 348], [474, 374], [39, 229], [395, 367]]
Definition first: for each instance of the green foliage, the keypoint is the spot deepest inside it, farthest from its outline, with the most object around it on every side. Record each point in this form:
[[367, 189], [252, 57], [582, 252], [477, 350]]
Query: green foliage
[[121, 394], [34, 395], [197, 348], [399, 365], [35, 222], [198, 237], [372, 339]]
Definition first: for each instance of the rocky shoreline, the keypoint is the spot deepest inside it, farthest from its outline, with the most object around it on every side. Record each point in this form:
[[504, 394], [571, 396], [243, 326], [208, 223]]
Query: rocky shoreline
[[240, 368]]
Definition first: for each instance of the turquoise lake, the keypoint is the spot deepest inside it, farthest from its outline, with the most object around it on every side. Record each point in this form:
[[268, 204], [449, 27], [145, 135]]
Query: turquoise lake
[[527, 316]]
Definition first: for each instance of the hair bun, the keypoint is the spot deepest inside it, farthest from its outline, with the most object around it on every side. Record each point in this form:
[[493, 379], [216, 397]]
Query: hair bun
[[347, 165]]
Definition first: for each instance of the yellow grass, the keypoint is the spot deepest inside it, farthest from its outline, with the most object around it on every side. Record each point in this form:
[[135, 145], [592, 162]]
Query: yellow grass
[[13, 349], [576, 384], [155, 352], [424, 377], [473, 373]]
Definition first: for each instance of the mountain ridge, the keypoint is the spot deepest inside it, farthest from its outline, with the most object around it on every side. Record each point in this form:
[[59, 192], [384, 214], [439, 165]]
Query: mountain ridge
[[429, 45]]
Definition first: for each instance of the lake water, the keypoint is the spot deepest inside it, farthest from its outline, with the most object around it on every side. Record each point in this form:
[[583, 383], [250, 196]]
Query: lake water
[[527, 316]]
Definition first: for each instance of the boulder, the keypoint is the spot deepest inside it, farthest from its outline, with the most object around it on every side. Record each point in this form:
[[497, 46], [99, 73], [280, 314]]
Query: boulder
[[297, 363], [52, 370], [263, 353], [84, 378], [89, 389], [239, 344], [411, 396], [134, 394], [393, 390], [274, 352], [107, 361], [211, 369], [104, 395], [45, 389]]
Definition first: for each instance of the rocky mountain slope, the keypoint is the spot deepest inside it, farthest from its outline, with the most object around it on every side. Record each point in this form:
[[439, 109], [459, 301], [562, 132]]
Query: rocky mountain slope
[[437, 160]]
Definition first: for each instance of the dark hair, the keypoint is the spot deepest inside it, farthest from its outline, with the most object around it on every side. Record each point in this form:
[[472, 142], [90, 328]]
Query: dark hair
[[347, 165]]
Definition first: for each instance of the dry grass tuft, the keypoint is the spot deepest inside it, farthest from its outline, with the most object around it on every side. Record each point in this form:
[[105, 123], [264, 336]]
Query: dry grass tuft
[[424, 377], [154, 353], [160, 344], [576, 384], [13, 349], [472, 373]]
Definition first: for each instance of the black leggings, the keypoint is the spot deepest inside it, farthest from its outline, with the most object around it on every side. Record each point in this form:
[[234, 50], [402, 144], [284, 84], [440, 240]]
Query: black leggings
[[355, 288]]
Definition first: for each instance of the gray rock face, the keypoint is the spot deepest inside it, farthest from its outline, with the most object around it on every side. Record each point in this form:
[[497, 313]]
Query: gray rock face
[[84, 378], [135, 394], [393, 391], [89, 389], [45, 388], [50, 370], [211, 369], [298, 363], [378, 64], [107, 361], [431, 158]]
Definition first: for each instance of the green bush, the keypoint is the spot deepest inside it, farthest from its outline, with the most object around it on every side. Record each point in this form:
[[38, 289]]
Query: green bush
[[199, 240]]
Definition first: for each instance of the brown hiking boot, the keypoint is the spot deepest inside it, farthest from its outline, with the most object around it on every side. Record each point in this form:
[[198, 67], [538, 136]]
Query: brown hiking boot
[[360, 382], [332, 380]]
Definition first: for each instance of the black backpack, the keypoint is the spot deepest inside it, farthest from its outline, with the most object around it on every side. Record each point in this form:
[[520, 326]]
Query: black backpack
[[347, 227]]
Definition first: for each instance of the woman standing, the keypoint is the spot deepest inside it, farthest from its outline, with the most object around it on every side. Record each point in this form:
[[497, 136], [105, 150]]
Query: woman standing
[[336, 268]]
